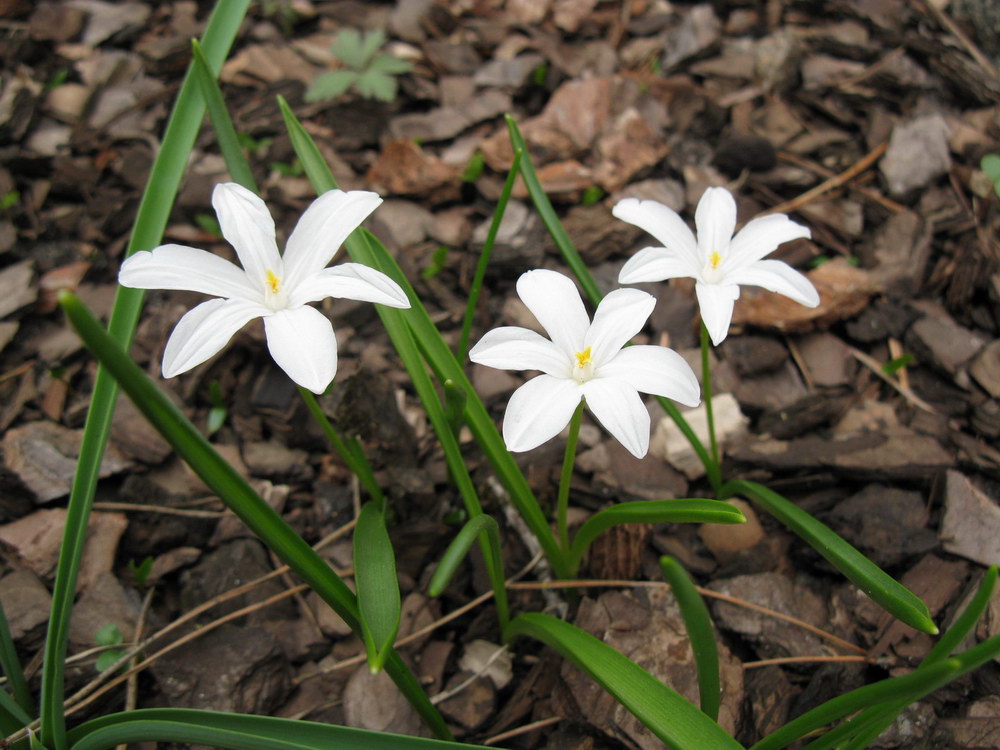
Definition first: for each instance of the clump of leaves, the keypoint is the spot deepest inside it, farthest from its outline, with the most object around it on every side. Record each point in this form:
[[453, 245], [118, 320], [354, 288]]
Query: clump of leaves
[[370, 72]]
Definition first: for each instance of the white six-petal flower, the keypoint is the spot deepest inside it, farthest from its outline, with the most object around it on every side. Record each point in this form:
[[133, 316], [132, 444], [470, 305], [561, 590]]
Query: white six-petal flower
[[271, 286], [717, 261], [583, 360]]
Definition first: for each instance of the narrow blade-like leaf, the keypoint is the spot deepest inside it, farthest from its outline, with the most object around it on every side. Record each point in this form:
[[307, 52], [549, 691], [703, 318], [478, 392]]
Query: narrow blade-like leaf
[[378, 587], [895, 598], [666, 713], [12, 667], [698, 623]]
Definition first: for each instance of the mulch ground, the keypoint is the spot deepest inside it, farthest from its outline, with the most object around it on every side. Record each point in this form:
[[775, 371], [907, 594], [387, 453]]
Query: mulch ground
[[877, 411]]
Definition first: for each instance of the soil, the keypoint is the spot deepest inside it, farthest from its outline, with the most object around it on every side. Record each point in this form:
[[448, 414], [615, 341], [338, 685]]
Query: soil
[[877, 411]]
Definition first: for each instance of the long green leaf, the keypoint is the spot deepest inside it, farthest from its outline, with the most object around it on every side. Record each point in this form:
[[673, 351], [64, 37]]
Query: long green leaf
[[222, 124], [895, 598], [13, 718], [154, 210], [666, 713], [435, 350], [652, 511], [377, 585], [12, 667], [179, 724], [698, 623], [236, 492], [967, 620], [572, 257]]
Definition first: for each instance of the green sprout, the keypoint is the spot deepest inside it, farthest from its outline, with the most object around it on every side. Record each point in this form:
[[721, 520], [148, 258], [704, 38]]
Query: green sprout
[[371, 73], [591, 195], [436, 265], [990, 164], [208, 224], [474, 169], [9, 199], [217, 414], [109, 635], [897, 364], [140, 571]]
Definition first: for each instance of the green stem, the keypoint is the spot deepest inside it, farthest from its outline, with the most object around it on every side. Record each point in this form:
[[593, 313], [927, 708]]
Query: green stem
[[706, 389], [484, 258], [562, 504], [349, 450]]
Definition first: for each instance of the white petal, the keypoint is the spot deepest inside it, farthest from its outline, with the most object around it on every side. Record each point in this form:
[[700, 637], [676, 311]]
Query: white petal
[[303, 345], [204, 330], [247, 225], [619, 317], [655, 264], [617, 406], [348, 281], [715, 218], [186, 268], [664, 224], [554, 300], [776, 276], [513, 348], [656, 370], [761, 236], [538, 411], [716, 304], [323, 228]]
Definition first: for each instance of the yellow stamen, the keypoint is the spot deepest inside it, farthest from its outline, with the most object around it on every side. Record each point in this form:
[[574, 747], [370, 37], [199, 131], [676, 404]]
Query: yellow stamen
[[272, 281], [583, 358], [715, 259]]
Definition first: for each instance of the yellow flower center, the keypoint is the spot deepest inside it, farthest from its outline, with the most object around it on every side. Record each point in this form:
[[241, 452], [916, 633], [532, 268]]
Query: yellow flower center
[[714, 259], [272, 281], [583, 358]]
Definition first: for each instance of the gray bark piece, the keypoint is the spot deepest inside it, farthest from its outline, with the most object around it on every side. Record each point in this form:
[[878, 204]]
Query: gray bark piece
[[16, 289], [971, 524], [917, 154], [26, 603]]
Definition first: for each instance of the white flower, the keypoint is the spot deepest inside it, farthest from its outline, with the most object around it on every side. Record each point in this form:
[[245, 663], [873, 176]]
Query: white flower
[[717, 261], [583, 360], [271, 286]]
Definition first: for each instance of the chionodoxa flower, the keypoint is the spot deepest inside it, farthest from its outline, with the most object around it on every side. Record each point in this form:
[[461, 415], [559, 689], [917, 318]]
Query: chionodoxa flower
[[716, 260], [270, 285], [583, 360]]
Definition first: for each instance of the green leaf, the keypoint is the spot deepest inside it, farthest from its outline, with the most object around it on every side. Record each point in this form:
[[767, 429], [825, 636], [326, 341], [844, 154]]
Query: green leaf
[[967, 620], [107, 659], [109, 635], [347, 47], [389, 65], [237, 732], [474, 169], [438, 259], [330, 85], [897, 364], [13, 718], [652, 511], [11, 665], [454, 405], [990, 164], [862, 572], [666, 713], [371, 42], [375, 85], [223, 480], [140, 573], [222, 124], [698, 624], [378, 588], [151, 220], [591, 195], [457, 550]]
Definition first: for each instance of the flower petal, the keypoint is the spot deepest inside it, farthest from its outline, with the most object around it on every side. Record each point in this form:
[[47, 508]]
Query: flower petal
[[538, 411], [761, 236], [188, 269], [617, 406], [619, 317], [348, 281], [716, 304], [715, 218], [204, 330], [776, 276], [554, 300], [303, 344], [247, 225], [655, 264], [656, 370], [323, 228], [513, 348], [664, 224]]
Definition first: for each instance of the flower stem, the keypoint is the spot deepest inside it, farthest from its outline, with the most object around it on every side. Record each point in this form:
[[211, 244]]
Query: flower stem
[[706, 388], [349, 450], [562, 504]]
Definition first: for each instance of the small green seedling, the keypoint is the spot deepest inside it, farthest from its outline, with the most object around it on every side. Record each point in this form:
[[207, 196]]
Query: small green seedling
[[217, 414], [591, 195], [990, 164], [474, 169], [109, 635], [895, 365], [371, 73], [436, 265], [140, 573]]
